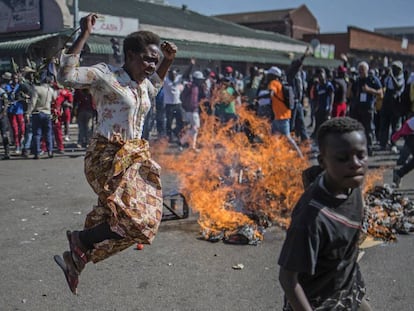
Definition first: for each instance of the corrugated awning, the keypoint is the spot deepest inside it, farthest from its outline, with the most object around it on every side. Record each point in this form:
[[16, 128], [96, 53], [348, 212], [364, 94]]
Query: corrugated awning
[[22, 45], [94, 45], [201, 50], [99, 45], [221, 52]]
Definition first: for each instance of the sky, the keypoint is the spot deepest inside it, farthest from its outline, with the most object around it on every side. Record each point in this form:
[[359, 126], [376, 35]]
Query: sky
[[332, 15]]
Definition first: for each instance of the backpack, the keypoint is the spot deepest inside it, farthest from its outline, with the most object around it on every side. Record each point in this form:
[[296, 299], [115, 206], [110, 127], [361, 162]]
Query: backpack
[[288, 96], [185, 96]]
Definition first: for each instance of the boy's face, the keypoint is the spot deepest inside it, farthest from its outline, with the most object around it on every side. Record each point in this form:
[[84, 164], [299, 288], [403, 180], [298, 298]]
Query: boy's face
[[344, 158]]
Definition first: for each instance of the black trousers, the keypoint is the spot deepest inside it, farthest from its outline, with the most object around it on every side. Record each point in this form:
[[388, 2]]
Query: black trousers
[[99, 233], [408, 166]]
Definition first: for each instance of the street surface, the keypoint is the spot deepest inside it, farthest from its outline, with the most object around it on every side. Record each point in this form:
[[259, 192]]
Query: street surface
[[41, 199]]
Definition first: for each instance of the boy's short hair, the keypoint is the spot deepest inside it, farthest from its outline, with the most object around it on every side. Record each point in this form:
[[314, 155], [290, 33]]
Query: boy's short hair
[[337, 126], [139, 40]]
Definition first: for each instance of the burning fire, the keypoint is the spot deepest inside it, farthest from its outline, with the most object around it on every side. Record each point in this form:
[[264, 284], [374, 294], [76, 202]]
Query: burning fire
[[237, 181]]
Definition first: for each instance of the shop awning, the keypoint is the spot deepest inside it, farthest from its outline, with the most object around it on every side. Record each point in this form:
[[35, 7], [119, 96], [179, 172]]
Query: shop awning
[[22, 45], [99, 45], [201, 50], [221, 52]]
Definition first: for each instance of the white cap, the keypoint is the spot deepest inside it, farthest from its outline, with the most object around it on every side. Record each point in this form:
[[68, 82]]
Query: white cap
[[274, 71], [398, 64], [198, 75]]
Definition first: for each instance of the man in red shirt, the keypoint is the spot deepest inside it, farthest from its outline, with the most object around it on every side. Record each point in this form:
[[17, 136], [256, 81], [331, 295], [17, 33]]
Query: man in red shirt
[[63, 100]]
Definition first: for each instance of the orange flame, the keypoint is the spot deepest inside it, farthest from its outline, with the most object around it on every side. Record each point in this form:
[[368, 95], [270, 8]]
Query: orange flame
[[233, 178], [373, 178]]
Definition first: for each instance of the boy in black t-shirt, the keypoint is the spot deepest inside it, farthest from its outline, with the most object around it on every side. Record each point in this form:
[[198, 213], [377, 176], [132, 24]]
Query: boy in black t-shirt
[[318, 261]]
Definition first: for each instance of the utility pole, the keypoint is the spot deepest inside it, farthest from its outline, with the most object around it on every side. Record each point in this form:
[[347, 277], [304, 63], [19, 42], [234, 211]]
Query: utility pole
[[75, 14]]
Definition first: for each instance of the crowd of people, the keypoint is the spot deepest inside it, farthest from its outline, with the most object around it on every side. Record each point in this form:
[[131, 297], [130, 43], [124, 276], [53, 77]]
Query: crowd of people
[[381, 99], [35, 114]]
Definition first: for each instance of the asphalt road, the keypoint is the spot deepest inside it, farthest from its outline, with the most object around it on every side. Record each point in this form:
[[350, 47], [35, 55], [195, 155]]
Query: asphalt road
[[41, 199]]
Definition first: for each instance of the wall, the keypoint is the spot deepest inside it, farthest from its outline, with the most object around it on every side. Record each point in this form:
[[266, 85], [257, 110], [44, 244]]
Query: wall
[[303, 22], [365, 40]]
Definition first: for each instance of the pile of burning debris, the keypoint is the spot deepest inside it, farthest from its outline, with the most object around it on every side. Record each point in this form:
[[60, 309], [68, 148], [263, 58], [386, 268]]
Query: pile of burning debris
[[241, 198], [388, 213]]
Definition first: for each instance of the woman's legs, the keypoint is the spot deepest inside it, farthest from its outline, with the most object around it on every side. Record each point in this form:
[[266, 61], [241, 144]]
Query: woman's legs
[[80, 242]]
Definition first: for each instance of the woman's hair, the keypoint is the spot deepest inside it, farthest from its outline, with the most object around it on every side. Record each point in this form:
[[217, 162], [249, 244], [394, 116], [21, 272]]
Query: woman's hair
[[338, 126], [139, 40]]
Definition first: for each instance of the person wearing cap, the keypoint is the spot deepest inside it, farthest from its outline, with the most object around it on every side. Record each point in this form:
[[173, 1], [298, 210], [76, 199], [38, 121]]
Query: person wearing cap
[[363, 94], [63, 102], [16, 112], [27, 86], [341, 90], [191, 97], [263, 100], [225, 110], [281, 113], [228, 71], [296, 77], [390, 115], [41, 114]]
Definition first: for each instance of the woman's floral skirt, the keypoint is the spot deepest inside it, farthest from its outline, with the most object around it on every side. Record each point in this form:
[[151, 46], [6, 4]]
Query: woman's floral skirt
[[128, 184]]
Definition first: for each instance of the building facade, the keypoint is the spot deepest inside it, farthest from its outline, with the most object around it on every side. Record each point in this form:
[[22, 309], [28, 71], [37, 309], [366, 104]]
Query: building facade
[[377, 49], [293, 23]]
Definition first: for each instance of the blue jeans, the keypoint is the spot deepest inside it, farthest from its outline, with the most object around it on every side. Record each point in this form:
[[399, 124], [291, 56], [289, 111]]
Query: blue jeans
[[283, 127], [85, 126], [42, 127], [28, 134], [299, 122]]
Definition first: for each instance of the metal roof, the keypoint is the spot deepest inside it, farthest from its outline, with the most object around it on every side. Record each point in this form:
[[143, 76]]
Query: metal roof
[[201, 50], [23, 45], [99, 45], [170, 16]]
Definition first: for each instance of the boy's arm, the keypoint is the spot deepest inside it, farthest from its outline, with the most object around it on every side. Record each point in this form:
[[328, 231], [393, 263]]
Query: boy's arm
[[403, 131], [293, 290]]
